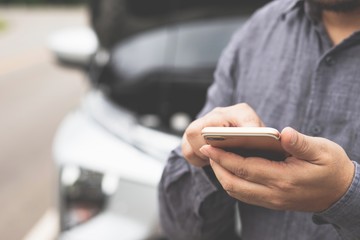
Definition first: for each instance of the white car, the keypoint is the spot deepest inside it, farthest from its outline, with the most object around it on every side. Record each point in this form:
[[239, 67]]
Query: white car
[[109, 168], [111, 151]]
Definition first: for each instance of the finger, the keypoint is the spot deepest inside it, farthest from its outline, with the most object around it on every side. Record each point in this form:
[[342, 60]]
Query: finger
[[302, 146], [241, 189], [233, 116], [239, 115], [191, 156], [219, 117], [249, 117], [253, 169], [193, 138]]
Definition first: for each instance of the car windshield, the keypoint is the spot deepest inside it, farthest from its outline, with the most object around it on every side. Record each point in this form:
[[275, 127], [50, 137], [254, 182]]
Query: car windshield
[[151, 71], [192, 45], [160, 8]]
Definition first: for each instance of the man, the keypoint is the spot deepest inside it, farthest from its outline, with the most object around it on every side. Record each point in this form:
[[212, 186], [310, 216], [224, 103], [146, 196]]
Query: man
[[295, 63]]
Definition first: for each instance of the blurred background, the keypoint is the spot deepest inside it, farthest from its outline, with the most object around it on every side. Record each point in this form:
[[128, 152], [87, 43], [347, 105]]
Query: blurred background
[[35, 95], [93, 96]]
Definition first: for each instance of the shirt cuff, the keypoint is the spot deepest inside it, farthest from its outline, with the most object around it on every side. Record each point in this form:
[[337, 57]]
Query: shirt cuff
[[202, 183], [344, 215]]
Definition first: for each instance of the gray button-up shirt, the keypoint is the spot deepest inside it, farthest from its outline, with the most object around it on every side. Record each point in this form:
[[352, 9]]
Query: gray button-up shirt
[[283, 64]]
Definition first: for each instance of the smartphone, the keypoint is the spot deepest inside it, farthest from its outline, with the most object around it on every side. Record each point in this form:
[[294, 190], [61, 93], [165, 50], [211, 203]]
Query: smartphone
[[247, 141]]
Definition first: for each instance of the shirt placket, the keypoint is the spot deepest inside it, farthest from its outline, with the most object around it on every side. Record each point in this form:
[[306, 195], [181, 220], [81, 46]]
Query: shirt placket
[[312, 124], [315, 125]]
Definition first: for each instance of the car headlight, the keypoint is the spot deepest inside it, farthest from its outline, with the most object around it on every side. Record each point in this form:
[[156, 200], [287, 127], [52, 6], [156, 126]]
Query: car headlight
[[82, 195]]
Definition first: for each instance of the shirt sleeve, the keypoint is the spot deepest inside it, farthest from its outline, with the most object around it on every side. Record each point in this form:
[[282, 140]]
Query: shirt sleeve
[[344, 215], [192, 203], [191, 207]]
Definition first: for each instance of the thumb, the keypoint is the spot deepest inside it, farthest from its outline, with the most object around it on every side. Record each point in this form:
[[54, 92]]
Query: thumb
[[299, 145]]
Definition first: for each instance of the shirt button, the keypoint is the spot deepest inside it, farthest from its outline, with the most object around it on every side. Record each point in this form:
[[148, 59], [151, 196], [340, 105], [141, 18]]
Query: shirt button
[[329, 60], [316, 130]]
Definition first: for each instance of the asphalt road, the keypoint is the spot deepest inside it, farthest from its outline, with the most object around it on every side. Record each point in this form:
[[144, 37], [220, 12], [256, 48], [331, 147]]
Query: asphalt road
[[35, 95]]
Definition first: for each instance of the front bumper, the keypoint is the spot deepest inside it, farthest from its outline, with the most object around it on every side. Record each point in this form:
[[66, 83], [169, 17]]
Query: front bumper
[[102, 138]]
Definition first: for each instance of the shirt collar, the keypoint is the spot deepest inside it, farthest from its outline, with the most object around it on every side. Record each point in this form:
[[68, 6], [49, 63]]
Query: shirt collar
[[294, 5], [310, 11]]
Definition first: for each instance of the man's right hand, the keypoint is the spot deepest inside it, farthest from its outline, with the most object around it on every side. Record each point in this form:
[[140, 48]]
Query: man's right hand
[[239, 115]]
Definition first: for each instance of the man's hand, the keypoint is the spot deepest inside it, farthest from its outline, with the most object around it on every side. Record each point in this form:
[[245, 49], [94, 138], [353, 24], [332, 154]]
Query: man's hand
[[240, 115], [317, 174]]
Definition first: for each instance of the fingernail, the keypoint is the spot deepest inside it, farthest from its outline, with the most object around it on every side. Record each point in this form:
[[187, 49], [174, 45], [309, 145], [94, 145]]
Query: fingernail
[[294, 137]]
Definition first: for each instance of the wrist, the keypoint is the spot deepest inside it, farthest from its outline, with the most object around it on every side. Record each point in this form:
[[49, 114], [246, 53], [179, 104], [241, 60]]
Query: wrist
[[346, 201]]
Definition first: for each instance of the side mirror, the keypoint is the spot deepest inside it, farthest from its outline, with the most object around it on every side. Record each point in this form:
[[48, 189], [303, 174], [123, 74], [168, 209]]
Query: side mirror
[[74, 46]]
